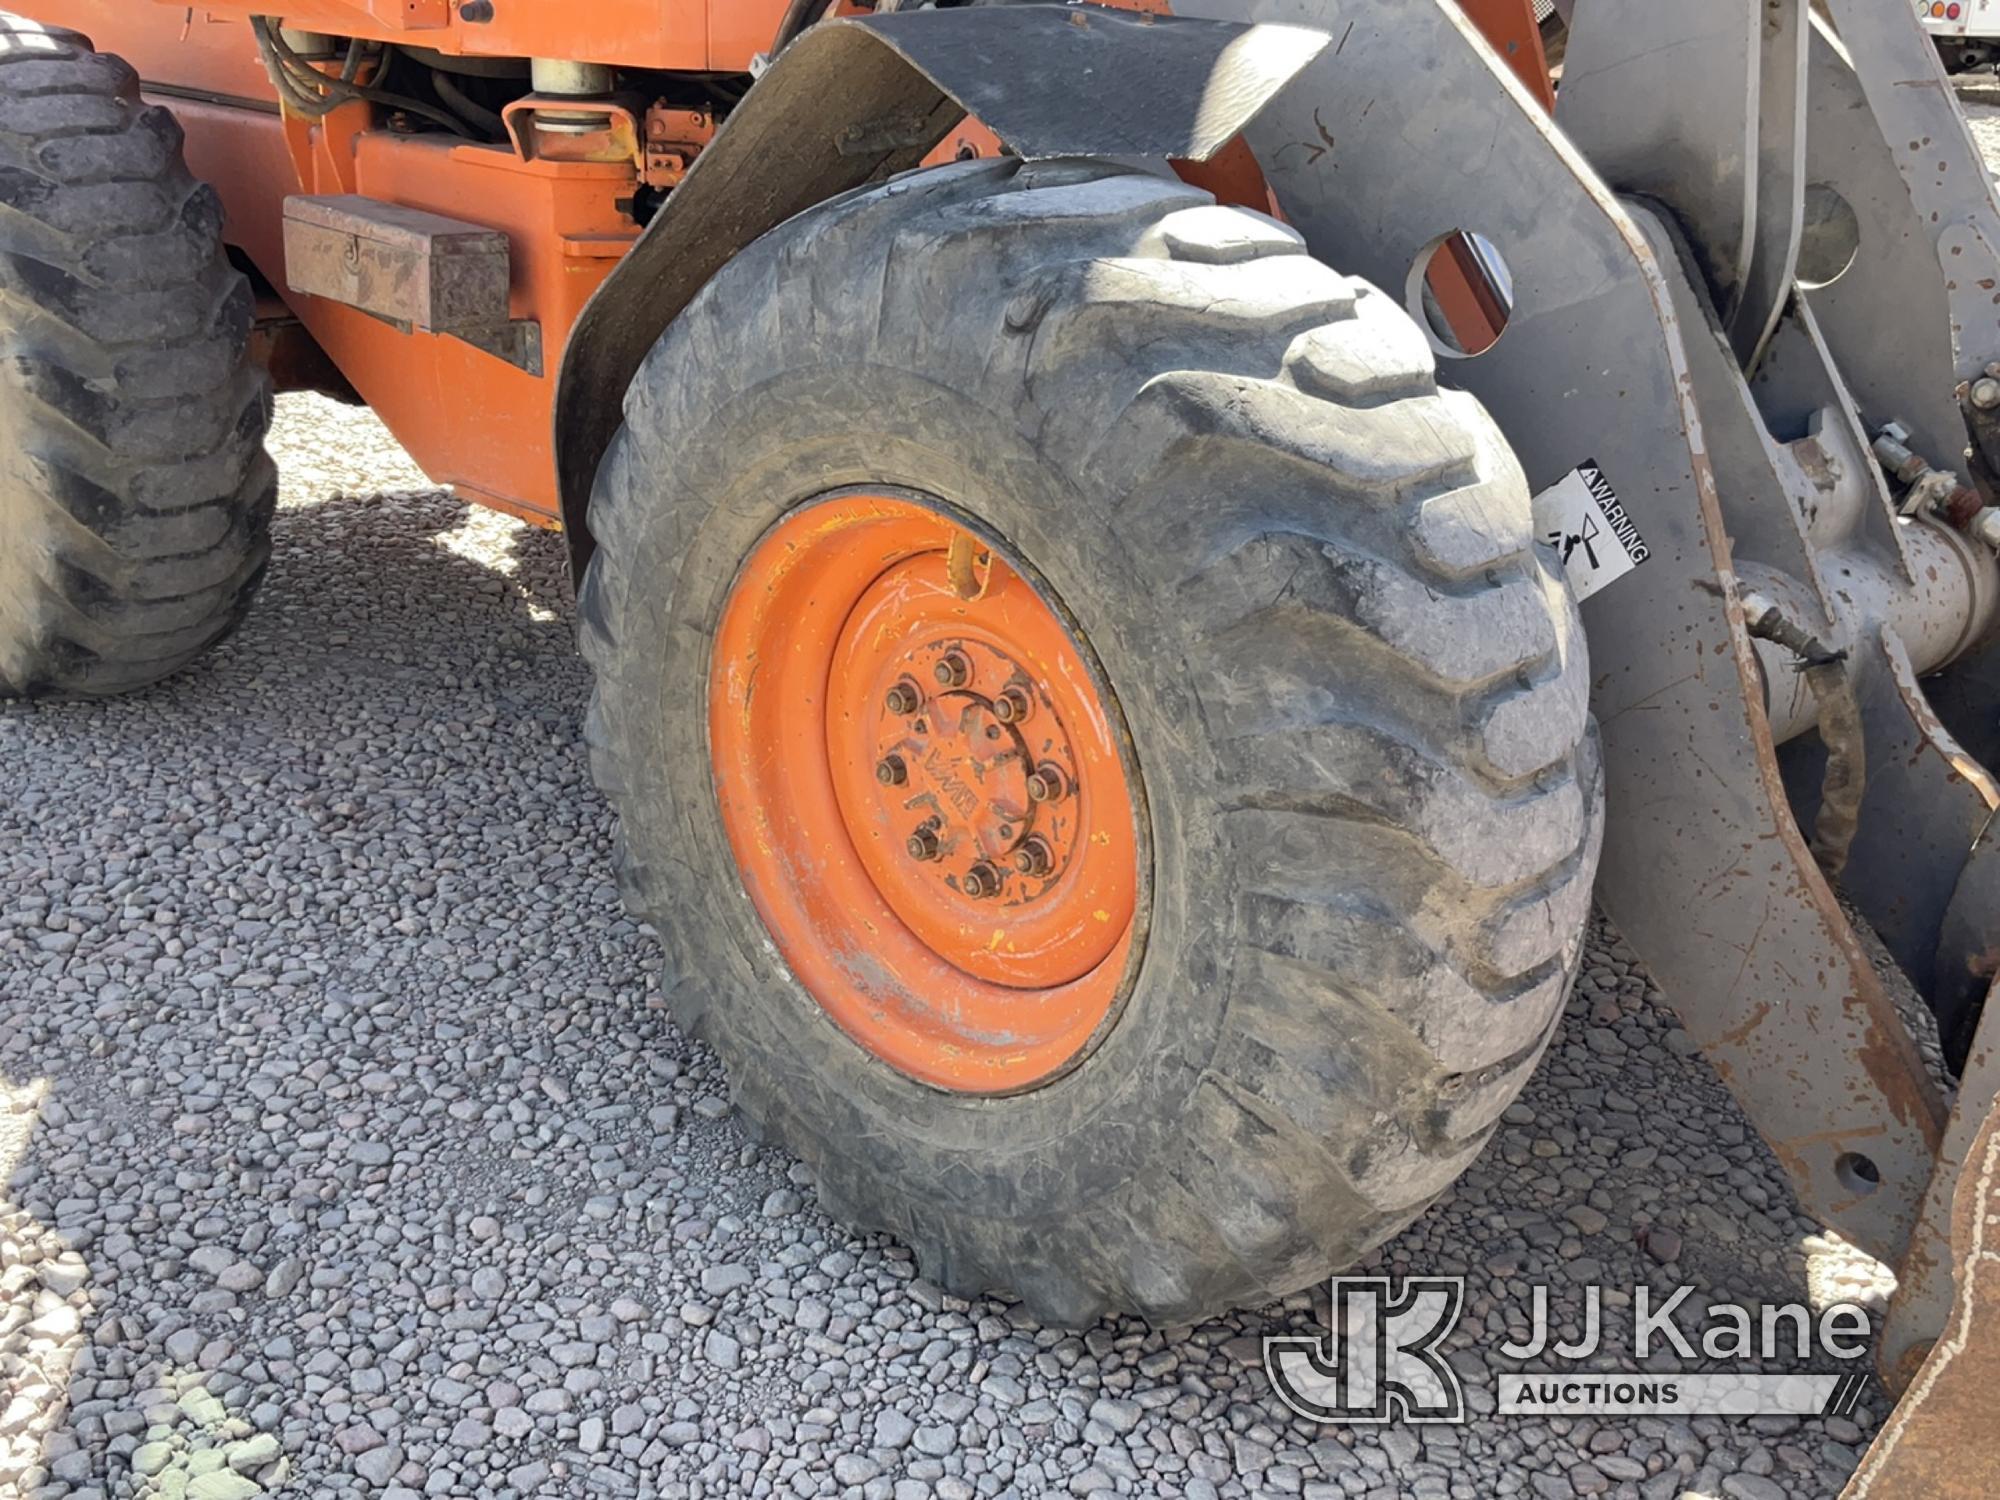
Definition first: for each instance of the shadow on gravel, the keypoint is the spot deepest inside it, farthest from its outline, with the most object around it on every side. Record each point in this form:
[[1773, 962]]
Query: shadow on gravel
[[346, 1144]]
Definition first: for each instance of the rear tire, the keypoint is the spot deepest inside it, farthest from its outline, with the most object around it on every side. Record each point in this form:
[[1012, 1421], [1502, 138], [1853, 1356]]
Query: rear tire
[[135, 493], [1355, 691]]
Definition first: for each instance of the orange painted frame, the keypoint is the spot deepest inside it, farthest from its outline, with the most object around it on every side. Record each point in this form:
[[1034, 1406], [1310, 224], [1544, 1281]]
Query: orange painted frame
[[470, 419], [678, 35]]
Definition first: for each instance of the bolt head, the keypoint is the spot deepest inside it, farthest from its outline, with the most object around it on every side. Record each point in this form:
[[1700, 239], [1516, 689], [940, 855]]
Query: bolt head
[[1986, 393], [1048, 784], [982, 881], [1033, 858], [923, 844], [1012, 706], [903, 698], [952, 670], [891, 771]]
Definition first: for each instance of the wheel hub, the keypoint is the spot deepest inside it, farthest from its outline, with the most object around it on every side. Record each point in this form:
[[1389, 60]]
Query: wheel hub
[[959, 766], [980, 850], [948, 857]]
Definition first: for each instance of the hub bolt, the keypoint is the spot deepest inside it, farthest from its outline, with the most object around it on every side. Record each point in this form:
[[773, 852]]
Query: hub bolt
[[952, 670], [1033, 858], [982, 881], [1048, 784], [1012, 706], [1986, 393], [891, 771], [923, 844], [904, 698]]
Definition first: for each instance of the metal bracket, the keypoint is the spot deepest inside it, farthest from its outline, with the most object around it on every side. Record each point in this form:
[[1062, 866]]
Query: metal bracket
[[1952, 207], [1886, 314], [877, 136], [1697, 104], [615, 140], [518, 342]]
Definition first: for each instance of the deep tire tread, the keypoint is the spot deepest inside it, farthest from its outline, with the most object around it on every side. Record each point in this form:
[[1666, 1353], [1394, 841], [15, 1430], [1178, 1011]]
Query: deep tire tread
[[135, 514], [1390, 665]]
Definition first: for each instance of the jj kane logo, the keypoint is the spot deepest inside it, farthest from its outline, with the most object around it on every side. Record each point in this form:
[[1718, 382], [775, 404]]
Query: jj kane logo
[[1381, 1359], [1382, 1362]]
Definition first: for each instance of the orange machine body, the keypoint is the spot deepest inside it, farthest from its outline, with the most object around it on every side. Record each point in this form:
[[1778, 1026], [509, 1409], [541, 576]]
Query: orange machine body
[[470, 419], [679, 36]]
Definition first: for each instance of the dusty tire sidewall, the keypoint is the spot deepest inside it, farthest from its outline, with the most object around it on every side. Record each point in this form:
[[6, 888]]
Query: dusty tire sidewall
[[757, 457]]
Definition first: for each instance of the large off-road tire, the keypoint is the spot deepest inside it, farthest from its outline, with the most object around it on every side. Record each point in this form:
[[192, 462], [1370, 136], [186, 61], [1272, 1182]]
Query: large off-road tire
[[135, 493], [1355, 694]]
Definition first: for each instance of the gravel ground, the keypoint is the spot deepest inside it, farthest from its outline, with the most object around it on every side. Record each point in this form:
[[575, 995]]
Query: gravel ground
[[348, 1150], [1979, 93]]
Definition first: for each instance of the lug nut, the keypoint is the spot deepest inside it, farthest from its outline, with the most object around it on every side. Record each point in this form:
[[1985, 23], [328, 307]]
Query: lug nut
[[982, 881], [904, 698], [1012, 706], [952, 670], [891, 771], [1986, 393], [1033, 858], [1048, 784], [923, 844]]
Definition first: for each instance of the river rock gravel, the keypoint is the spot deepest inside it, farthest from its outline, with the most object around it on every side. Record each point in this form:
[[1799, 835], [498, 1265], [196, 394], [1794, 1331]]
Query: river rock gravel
[[348, 1151]]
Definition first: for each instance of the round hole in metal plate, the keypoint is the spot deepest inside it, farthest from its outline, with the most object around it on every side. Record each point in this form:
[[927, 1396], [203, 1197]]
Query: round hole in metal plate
[[1831, 237], [1462, 291], [1857, 1173]]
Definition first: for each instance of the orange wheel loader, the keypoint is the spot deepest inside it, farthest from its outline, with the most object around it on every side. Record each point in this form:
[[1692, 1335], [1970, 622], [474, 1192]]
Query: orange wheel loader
[[1086, 522]]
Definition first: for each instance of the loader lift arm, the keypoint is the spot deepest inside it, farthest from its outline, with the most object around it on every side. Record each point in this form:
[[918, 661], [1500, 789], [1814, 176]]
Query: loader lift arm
[[1705, 397]]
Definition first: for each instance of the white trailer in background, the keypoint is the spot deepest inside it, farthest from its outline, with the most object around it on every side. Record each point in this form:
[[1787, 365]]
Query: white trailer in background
[[1967, 32]]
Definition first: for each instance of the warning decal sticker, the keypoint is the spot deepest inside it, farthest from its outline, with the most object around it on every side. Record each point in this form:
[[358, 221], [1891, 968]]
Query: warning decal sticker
[[1580, 516]]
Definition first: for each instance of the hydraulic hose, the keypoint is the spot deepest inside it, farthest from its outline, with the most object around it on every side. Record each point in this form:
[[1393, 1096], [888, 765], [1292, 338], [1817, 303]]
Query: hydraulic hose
[[313, 95]]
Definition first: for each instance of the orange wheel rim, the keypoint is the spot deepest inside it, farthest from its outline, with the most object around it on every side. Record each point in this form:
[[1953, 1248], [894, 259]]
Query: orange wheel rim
[[924, 783]]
